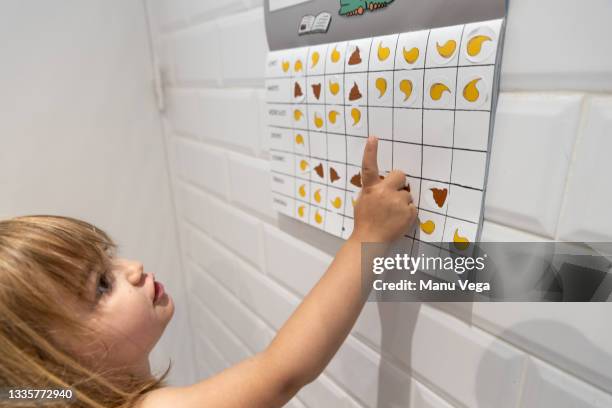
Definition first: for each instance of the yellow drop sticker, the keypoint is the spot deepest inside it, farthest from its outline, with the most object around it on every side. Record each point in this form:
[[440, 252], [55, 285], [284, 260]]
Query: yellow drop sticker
[[448, 49], [314, 59], [318, 218], [381, 85], [317, 195], [428, 227], [334, 88], [318, 121], [470, 92], [406, 88], [335, 56], [412, 55], [333, 116], [437, 90], [474, 45], [461, 243], [356, 115], [383, 52]]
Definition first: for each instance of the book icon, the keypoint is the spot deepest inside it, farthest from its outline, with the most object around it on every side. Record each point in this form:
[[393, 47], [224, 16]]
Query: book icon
[[311, 24]]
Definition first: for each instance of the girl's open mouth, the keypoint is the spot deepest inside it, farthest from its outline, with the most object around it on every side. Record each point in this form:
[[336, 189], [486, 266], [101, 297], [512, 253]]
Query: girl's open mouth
[[159, 291]]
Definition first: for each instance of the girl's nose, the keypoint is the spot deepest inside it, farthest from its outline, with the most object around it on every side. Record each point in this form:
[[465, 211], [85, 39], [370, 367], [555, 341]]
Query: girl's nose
[[135, 271]]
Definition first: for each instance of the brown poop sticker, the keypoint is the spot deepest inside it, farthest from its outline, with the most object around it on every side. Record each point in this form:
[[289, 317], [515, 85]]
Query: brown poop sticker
[[355, 57], [439, 195], [356, 180], [333, 175], [316, 90], [319, 170], [297, 92], [354, 94]]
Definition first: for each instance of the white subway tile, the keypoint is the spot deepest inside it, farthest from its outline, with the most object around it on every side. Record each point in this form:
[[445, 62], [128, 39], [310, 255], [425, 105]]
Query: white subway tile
[[206, 325], [253, 3], [323, 392], [355, 367], [242, 119], [197, 54], [265, 297], [492, 232], [237, 230], [194, 9], [251, 330], [202, 165], [208, 360], [295, 403], [546, 386], [465, 362], [212, 112], [586, 216], [192, 206], [373, 381], [292, 262], [243, 45], [480, 370], [231, 116], [167, 12], [558, 45], [214, 259], [573, 336], [250, 184], [165, 55], [422, 397], [184, 112], [532, 147]]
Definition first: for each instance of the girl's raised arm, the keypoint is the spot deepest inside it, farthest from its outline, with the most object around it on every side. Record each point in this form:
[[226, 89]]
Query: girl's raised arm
[[309, 339]]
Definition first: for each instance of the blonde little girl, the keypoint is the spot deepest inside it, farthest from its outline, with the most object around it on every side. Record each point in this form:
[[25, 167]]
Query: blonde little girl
[[73, 316]]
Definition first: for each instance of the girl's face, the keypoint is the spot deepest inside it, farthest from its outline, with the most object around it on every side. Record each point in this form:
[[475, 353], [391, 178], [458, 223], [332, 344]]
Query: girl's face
[[130, 316]]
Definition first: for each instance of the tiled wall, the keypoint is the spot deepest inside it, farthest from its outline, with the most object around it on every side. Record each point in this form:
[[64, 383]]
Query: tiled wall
[[549, 179]]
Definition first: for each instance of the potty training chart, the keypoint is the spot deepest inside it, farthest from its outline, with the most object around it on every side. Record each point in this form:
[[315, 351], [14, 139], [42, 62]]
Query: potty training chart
[[427, 95]]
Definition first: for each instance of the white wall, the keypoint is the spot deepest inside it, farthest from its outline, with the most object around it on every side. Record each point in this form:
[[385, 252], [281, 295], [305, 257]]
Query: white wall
[[247, 270], [80, 135]]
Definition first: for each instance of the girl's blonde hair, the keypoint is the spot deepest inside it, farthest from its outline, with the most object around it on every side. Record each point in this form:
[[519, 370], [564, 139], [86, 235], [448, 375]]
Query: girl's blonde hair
[[44, 259]]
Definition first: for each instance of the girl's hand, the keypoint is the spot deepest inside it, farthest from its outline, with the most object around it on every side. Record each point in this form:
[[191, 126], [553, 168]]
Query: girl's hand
[[384, 210]]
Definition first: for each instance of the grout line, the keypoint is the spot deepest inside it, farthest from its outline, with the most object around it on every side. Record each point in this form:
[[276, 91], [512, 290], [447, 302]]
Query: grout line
[[214, 144], [521, 384], [585, 107]]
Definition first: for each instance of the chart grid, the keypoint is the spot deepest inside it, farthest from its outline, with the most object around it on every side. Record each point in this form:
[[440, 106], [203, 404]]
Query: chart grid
[[426, 95]]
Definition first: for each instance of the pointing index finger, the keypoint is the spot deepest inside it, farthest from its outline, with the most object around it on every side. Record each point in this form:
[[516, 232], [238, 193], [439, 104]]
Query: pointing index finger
[[369, 166]]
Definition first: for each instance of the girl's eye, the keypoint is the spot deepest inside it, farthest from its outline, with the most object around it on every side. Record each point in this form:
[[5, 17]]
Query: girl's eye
[[103, 286]]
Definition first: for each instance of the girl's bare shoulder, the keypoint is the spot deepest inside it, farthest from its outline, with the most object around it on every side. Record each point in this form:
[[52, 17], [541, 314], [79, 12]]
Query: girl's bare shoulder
[[161, 397]]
